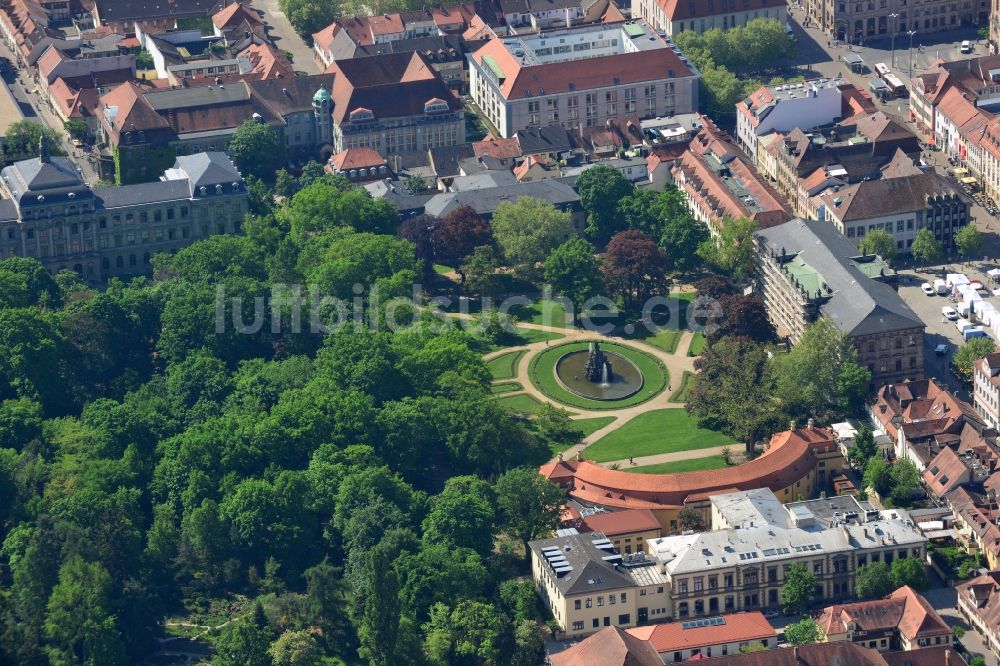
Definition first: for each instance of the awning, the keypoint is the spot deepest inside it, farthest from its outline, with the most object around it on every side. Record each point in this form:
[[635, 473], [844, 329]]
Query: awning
[[960, 171], [969, 180]]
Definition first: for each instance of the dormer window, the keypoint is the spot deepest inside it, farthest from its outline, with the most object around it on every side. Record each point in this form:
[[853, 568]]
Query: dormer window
[[435, 105], [204, 190], [218, 189], [362, 115]]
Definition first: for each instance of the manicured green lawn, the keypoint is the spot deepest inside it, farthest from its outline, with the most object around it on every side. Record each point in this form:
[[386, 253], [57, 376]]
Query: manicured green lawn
[[680, 394], [441, 269], [693, 465], [525, 336], [697, 345], [506, 387], [523, 404], [543, 376], [666, 340], [658, 431], [504, 366], [549, 313], [529, 335], [590, 426]]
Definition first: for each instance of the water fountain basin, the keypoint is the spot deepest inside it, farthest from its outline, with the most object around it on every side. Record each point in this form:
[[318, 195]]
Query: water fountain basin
[[624, 380]]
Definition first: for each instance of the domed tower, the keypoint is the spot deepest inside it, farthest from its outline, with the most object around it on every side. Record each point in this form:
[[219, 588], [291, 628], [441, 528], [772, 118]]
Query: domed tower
[[323, 115]]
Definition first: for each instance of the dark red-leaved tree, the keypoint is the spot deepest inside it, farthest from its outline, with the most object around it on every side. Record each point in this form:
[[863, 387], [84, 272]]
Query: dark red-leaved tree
[[458, 233], [419, 230], [743, 316], [714, 286], [635, 267]]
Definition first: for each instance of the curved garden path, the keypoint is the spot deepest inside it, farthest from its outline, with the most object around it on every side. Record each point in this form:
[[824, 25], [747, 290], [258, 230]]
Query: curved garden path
[[676, 364]]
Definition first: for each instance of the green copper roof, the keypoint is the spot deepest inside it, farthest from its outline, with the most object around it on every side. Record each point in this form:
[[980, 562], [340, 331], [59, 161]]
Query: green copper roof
[[322, 95]]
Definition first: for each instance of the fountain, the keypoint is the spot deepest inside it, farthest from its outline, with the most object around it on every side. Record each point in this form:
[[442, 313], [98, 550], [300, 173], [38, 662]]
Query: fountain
[[599, 375], [598, 367]]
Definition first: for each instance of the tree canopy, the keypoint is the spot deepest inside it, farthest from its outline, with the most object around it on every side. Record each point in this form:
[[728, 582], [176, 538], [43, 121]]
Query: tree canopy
[[305, 492], [254, 149]]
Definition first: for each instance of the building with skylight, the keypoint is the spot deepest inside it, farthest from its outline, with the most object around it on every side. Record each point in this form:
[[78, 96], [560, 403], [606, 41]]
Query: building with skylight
[[581, 77]]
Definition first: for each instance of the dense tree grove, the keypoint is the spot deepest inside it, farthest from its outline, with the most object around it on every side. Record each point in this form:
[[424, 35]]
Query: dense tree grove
[[172, 448]]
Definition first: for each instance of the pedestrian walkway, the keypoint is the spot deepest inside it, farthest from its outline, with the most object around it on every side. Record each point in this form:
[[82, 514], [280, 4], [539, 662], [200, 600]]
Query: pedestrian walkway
[[676, 364]]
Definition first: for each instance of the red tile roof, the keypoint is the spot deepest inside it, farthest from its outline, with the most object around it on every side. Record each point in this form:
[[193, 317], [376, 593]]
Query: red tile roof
[[938, 655], [132, 109], [903, 610], [235, 14], [387, 24], [610, 646], [389, 85], [357, 158], [559, 77], [616, 523], [818, 654], [738, 627], [788, 459], [268, 62], [498, 148], [704, 184]]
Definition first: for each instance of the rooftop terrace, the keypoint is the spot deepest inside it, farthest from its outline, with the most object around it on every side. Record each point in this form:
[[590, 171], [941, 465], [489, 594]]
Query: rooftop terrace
[[583, 42]]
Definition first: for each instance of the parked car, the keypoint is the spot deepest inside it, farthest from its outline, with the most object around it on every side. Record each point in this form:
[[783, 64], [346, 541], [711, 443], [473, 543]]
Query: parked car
[[941, 349], [927, 288], [966, 46], [941, 287], [771, 614], [950, 313], [976, 284]]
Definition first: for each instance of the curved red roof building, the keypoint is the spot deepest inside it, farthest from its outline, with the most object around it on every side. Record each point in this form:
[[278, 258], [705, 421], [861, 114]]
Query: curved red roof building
[[789, 467]]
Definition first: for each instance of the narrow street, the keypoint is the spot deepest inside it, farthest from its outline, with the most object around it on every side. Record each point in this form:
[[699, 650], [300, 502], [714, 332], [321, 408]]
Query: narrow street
[[285, 38], [36, 109]]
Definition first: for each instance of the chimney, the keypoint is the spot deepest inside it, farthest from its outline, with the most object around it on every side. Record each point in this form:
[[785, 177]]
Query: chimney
[[809, 424], [795, 654]]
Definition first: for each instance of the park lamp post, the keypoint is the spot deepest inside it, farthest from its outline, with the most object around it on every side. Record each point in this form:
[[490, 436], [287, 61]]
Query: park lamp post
[[911, 33], [893, 16]]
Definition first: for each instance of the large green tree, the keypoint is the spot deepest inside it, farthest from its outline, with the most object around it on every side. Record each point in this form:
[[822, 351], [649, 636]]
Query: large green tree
[[463, 514], [965, 357], [798, 588], [573, 272], [732, 252], [910, 571], [310, 16], [80, 623], [926, 248], [969, 241], [529, 503], [873, 580], [255, 150], [821, 374], [880, 242], [528, 229], [22, 137], [803, 632], [735, 391], [601, 188]]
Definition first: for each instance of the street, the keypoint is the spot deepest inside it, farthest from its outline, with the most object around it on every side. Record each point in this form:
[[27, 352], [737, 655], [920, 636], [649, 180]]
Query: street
[[285, 38], [37, 110]]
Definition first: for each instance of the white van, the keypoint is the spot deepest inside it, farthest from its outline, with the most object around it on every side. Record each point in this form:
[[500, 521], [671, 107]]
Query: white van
[[966, 46], [940, 287]]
